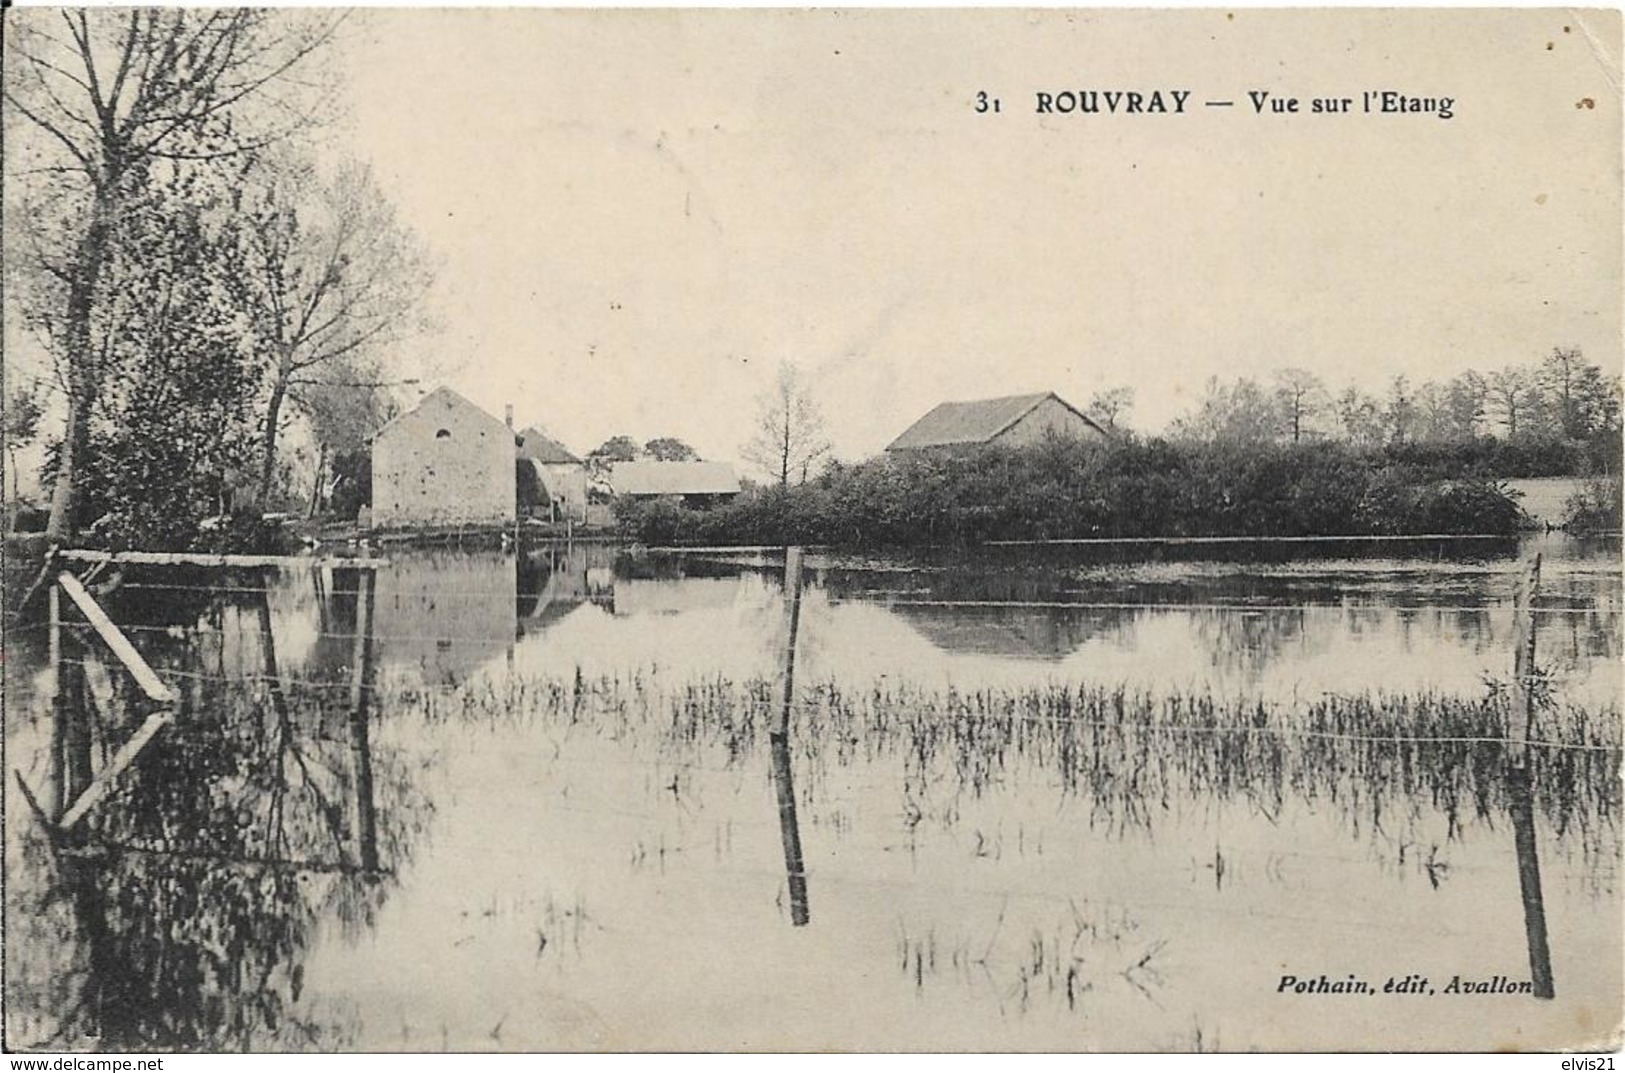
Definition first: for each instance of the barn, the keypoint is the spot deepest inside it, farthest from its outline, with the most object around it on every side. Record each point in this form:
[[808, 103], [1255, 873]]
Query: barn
[[444, 462], [694, 484], [1011, 421]]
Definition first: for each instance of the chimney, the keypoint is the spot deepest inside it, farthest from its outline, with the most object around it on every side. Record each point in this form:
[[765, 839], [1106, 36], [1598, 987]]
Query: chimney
[[507, 413]]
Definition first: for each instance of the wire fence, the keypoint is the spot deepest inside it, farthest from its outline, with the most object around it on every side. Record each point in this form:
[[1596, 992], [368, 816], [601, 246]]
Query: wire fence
[[513, 691]]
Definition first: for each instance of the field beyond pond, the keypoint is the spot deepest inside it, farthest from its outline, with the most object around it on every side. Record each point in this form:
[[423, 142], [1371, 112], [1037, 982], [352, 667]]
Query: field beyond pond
[[1084, 798]]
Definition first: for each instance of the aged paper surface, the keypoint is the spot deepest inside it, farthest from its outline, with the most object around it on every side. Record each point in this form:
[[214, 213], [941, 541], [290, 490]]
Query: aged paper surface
[[1140, 796]]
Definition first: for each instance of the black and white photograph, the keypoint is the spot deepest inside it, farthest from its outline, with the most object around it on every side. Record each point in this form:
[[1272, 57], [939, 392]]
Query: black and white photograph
[[825, 530]]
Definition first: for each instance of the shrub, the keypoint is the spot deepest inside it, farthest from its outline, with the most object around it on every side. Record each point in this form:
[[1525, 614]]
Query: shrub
[[1594, 507], [1125, 488]]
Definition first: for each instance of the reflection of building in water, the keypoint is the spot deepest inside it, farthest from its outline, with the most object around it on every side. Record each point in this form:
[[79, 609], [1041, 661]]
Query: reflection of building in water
[[1045, 633], [639, 596], [553, 580], [445, 613]]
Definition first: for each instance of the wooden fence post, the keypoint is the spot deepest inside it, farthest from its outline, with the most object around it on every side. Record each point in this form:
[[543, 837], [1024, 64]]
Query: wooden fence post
[[779, 743], [59, 710], [786, 692], [1520, 778], [1521, 716]]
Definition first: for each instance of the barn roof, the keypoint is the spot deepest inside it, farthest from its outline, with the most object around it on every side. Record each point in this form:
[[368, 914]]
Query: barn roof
[[977, 421], [536, 445], [673, 479]]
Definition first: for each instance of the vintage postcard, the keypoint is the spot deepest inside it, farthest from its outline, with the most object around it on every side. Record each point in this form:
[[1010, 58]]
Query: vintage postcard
[[818, 530]]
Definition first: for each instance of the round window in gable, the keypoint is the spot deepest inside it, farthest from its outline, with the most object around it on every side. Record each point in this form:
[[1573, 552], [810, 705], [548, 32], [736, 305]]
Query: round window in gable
[[443, 434]]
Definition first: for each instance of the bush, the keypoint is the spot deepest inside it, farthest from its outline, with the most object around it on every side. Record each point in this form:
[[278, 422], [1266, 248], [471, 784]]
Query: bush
[[1594, 508], [1063, 489]]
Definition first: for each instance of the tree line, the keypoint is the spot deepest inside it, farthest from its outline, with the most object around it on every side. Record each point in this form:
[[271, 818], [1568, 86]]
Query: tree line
[[199, 276], [1556, 416]]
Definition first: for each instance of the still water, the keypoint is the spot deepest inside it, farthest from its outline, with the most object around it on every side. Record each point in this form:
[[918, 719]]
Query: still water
[[1072, 799]]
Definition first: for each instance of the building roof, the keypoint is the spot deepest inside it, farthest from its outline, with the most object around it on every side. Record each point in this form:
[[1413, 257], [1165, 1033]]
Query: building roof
[[977, 421], [673, 479], [440, 400], [536, 445]]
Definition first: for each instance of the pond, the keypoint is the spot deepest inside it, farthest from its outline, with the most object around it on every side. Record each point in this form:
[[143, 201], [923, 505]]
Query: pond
[[1153, 797]]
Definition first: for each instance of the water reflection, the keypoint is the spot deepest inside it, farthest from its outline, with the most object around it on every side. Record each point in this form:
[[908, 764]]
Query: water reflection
[[434, 825], [177, 914]]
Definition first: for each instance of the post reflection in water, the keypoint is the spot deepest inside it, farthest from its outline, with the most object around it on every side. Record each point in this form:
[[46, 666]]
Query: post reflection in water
[[1521, 806], [794, 867], [177, 913], [779, 742], [365, 819]]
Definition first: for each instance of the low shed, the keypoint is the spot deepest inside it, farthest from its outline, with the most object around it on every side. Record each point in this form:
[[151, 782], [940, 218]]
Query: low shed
[[696, 484]]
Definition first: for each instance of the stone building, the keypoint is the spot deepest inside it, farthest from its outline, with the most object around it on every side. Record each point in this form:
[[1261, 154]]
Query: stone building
[[445, 462], [562, 476]]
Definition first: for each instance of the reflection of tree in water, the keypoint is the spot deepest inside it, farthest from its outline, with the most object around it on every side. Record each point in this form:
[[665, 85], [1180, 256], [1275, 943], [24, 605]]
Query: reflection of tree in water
[[178, 914], [1018, 633], [1247, 641]]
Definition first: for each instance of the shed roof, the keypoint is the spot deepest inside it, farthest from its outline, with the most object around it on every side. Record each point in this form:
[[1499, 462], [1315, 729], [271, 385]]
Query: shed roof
[[673, 479], [536, 445], [977, 421]]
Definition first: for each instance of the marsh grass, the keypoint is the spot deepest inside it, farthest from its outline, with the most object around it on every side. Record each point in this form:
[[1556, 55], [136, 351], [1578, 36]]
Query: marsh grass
[[1058, 960], [1378, 759]]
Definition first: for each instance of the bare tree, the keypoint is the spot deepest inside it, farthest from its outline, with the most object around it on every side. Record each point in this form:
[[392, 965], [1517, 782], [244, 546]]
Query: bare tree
[[1400, 412], [339, 277], [1300, 395], [790, 430], [1514, 393], [113, 94]]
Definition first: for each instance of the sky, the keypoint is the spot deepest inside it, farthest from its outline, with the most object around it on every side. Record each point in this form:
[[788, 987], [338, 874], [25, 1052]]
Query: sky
[[638, 214]]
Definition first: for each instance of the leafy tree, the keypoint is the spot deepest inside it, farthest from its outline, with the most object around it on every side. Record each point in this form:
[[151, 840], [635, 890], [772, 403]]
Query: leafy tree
[[344, 409], [173, 426], [668, 449], [616, 449], [108, 94], [789, 436], [1110, 405], [1238, 413], [1467, 396], [23, 411], [621, 448], [1360, 417]]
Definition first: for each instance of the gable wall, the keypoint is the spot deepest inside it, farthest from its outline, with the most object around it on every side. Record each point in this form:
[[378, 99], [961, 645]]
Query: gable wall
[[1048, 416], [421, 478]]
